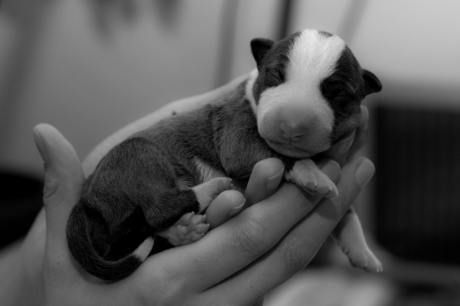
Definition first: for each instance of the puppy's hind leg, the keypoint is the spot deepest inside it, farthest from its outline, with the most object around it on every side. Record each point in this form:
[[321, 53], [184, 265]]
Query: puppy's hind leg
[[191, 227], [350, 237], [208, 191]]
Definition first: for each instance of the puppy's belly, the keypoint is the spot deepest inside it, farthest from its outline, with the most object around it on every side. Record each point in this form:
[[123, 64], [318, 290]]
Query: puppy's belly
[[206, 171]]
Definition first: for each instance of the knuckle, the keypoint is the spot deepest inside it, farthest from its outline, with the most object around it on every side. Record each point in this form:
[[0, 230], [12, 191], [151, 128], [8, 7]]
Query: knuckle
[[252, 237], [294, 255]]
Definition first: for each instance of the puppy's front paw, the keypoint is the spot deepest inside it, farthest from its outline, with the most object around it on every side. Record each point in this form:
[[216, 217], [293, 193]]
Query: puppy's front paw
[[364, 259], [307, 175], [189, 228]]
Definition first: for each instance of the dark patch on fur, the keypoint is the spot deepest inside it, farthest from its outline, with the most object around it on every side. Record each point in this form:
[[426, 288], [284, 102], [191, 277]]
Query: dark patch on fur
[[133, 191], [344, 90], [131, 195], [272, 65], [82, 249]]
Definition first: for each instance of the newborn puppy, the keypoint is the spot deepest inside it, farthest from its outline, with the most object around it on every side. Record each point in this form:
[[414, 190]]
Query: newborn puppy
[[304, 97]]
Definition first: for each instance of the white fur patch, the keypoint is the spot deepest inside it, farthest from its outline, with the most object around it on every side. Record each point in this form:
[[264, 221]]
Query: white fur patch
[[207, 172], [311, 59], [144, 249]]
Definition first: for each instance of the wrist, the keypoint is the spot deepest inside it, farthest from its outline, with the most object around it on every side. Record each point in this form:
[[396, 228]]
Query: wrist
[[21, 268], [14, 289]]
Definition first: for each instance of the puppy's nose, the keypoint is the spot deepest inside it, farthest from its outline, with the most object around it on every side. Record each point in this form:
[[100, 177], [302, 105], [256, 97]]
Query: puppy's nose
[[297, 122], [292, 132]]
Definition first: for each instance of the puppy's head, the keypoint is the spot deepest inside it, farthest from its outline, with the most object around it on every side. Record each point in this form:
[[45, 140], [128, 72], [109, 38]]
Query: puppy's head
[[307, 91]]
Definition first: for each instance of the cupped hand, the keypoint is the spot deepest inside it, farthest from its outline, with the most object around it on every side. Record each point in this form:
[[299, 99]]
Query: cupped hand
[[235, 263], [347, 148]]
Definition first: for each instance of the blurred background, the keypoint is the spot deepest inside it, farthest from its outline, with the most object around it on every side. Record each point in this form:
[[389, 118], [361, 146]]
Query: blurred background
[[89, 67]]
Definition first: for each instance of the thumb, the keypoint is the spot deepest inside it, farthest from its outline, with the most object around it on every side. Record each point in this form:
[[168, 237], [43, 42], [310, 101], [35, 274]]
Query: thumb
[[63, 181]]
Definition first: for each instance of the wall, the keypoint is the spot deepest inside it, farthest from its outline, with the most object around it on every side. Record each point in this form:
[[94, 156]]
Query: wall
[[412, 45], [88, 84], [89, 79]]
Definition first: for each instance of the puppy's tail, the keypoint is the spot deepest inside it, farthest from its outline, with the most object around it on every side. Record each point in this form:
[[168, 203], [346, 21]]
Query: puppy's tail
[[79, 233]]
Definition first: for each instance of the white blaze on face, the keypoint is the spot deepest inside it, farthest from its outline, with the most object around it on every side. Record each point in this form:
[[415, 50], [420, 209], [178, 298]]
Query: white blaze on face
[[312, 59]]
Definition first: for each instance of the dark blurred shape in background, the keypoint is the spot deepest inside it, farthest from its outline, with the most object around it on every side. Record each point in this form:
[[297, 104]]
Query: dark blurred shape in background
[[108, 13], [418, 183], [20, 202]]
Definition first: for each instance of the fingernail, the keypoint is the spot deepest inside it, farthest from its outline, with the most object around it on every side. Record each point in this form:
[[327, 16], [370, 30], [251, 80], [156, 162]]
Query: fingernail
[[223, 185], [273, 181], [312, 185], [331, 169], [235, 210], [345, 144], [364, 173], [334, 192]]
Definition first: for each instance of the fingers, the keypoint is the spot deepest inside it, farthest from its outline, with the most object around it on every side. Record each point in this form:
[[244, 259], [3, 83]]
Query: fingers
[[226, 205], [63, 180], [264, 181], [238, 242], [361, 132], [347, 147], [300, 245], [339, 152]]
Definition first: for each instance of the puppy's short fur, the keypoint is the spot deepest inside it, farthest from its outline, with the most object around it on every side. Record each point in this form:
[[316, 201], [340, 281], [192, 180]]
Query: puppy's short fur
[[304, 96]]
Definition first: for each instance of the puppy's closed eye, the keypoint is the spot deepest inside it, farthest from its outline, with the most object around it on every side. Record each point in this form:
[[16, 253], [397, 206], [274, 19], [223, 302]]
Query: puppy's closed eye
[[337, 91], [342, 96], [273, 77]]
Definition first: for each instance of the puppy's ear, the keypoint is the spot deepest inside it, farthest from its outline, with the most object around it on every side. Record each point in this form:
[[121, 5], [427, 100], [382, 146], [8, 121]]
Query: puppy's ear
[[371, 82], [259, 48]]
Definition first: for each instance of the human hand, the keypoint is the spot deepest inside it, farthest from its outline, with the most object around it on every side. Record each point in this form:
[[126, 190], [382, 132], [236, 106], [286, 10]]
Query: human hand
[[50, 273], [347, 148], [22, 275], [235, 263]]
